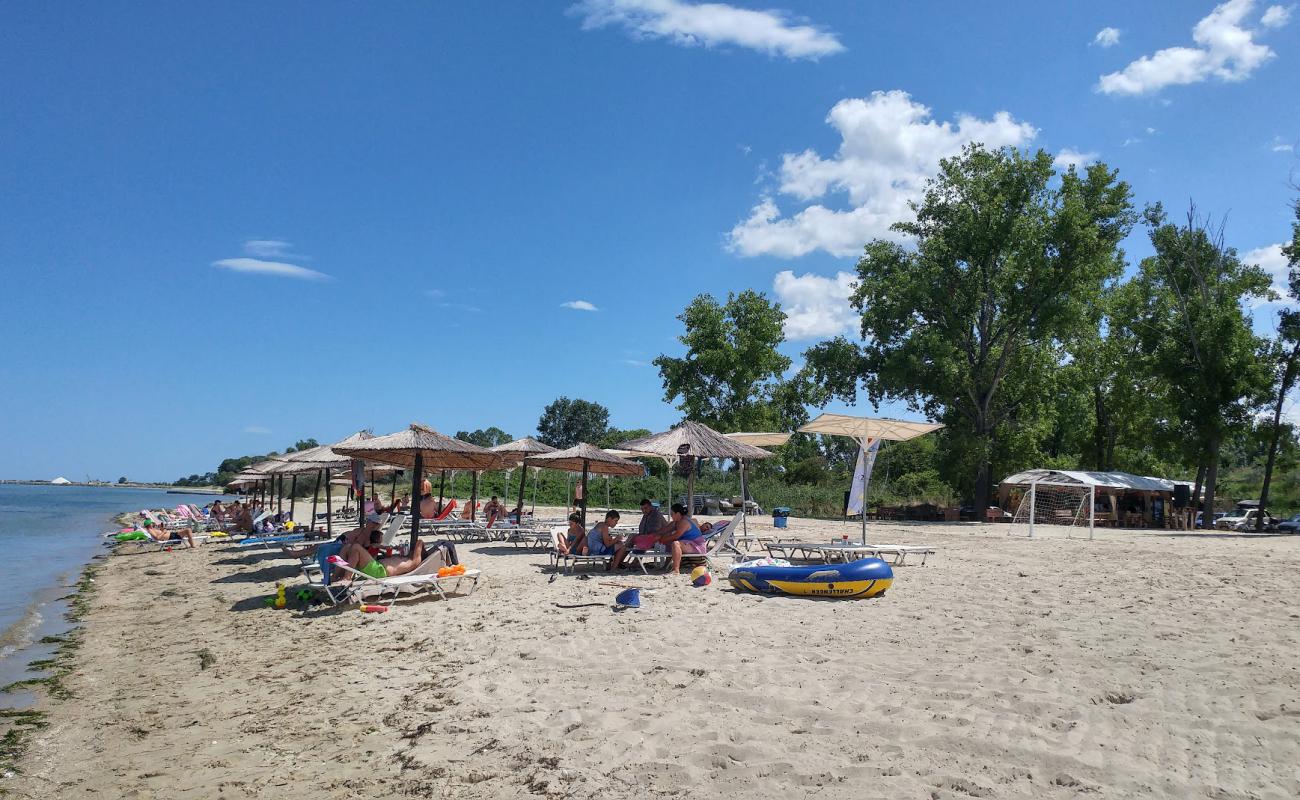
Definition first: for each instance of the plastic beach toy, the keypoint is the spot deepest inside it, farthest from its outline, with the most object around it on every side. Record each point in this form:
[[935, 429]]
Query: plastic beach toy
[[700, 576], [628, 598], [280, 601], [369, 609]]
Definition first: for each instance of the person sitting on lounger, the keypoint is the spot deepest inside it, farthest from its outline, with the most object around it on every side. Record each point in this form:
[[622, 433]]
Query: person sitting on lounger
[[601, 539], [159, 535], [574, 541], [684, 538], [241, 518], [359, 558], [652, 526], [429, 507], [217, 512], [494, 509], [361, 536]]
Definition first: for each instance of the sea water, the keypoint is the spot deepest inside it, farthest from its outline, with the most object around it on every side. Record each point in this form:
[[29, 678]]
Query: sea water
[[47, 535]]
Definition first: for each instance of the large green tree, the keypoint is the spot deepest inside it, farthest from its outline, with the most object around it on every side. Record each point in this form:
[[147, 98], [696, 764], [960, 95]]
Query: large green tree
[[566, 422], [1196, 335], [968, 323], [491, 437], [1285, 356], [730, 377]]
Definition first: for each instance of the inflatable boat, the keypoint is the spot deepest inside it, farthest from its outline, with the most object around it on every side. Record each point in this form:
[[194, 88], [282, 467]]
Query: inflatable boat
[[867, 577]]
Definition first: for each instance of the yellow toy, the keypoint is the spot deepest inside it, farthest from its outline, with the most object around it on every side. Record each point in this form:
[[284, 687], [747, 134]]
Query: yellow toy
[[280, 601]]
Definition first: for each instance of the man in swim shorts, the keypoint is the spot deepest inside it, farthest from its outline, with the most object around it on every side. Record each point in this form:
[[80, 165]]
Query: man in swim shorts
[[359, 558]]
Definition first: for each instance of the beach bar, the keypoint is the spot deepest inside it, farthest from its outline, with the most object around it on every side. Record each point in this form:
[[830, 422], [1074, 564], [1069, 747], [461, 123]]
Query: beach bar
[[1123, 500]]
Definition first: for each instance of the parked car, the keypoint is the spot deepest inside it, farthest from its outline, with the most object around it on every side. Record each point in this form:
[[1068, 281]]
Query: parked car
[[1291, 525], [1244, 521], [708, 504], [1218, 515]]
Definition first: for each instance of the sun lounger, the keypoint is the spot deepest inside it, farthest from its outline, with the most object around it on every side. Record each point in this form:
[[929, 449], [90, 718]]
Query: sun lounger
[[828, 553], [362, 586], [565, 562]]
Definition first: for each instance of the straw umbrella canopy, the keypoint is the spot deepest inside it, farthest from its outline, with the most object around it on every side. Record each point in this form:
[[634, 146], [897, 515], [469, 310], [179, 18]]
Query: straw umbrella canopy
[[699, 441], [517, 451], [585, 458], [418, 448], [867, 431]]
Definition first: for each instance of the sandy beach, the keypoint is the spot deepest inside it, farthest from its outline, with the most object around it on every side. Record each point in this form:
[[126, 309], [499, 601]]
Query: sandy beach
[[1136, 665]]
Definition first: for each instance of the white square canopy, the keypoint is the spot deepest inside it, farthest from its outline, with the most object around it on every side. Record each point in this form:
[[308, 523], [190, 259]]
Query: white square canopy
[[895, 430]]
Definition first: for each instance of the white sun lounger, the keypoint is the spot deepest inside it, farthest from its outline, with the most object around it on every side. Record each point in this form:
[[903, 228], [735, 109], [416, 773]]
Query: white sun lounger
[[810, 551], [422, 578]]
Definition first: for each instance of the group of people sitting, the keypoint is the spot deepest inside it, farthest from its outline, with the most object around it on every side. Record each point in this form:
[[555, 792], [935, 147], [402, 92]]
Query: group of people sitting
[[678, 537]]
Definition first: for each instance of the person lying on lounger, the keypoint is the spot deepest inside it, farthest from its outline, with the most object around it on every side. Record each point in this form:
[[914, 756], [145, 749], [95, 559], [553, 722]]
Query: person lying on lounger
[[360, 536], [685, 537], [601, 539], [359, 558], [574, 541], [159, 535]]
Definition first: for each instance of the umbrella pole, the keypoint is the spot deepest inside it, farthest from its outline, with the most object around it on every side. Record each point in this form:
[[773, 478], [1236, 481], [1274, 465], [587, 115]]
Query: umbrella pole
[[523, 476], [329, 508], [314, 494], [279, 495], [744, 502], [293, 490], [442, 484], [607, 492], [535, 471], [585, 465], [568, 492], [361, 496], [393, 500], [864, 491], [473, 498], [670, 485], [690, 490], [417, 475]]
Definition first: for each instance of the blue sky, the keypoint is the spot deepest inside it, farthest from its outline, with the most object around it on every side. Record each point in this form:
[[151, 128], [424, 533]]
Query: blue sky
[[226, 227]]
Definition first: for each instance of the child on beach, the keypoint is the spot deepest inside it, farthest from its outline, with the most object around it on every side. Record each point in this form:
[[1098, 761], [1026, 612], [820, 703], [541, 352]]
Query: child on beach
[[601, 539]]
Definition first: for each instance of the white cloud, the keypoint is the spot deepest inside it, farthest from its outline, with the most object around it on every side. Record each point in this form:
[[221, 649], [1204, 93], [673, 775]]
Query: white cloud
[[709, 25], [257, 429], [815, 307], [889, 146], [1069, 157], [579, 305], [258, 266], [266, 248], [1280, 145], [1106, 37], [1276, 16], [1225, 50], [632, 362], [1270, 259]]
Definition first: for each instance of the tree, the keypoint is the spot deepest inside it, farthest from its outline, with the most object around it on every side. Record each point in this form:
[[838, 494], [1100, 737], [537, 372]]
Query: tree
[[491, 437], [616, 436], [731, 375], [967, 326], [304, 444], [121, 480], [1196, 336], [1286, 357], [566, 422]]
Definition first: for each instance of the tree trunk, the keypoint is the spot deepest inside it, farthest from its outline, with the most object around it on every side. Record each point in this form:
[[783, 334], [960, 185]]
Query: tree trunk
[[1288, 377], [1196, 493], [1211, 478]]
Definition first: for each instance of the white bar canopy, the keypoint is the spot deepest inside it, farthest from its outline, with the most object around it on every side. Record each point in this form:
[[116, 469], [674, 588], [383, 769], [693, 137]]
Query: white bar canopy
[[896, 430], [760, 439]]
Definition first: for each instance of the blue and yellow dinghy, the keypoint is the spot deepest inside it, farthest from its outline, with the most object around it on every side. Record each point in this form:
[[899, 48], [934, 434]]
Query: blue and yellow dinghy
[[867, 577]]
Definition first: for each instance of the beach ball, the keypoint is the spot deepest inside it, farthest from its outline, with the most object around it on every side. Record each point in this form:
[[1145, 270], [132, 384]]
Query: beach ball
[[700, 576]]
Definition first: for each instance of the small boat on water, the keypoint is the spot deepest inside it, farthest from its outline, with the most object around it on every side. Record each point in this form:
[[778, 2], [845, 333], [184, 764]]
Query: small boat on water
[[867, 577]]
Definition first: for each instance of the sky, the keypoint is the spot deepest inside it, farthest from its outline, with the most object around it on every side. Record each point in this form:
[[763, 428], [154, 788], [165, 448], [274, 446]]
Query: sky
[[226, 227]]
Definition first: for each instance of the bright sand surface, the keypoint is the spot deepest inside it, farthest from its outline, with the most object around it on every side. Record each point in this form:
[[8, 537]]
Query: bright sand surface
[[1137, 665]]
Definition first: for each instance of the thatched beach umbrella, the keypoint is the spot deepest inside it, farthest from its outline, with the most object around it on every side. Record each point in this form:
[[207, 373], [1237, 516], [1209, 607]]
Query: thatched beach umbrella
[[419, 448], [695, 440], [868, 431], [585, 458], [517, 451]]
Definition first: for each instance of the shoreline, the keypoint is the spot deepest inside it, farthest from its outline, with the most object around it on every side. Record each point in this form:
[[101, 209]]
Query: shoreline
[[1003, 668]]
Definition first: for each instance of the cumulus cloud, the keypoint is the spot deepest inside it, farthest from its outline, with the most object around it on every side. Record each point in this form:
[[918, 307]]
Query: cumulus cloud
[[1106, 37], [1069, 157], [1276, 16], [710, 25], [889, 146], [815, 307], [1225, 50], [579, 305], [266, 248], [1270, 259], [262, 267]]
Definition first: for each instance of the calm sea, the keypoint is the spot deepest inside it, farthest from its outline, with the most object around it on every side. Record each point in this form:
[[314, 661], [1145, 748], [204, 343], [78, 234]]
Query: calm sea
[[47, 534]]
